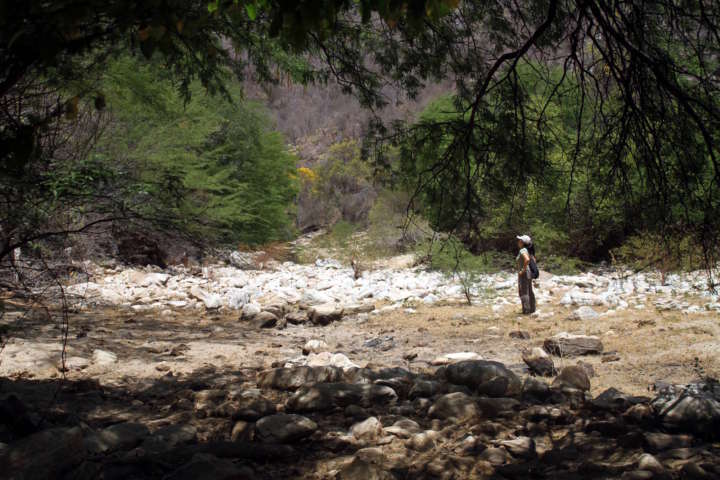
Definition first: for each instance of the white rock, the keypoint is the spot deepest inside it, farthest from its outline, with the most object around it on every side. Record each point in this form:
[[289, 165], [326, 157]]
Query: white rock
[[455, 357], [244, 260], [236, 299], [312, 297], [103, 357], [649, 463], [585, 313], [315, 346], [430, 298], [576, 297], [76, 363], [367, 430], [325, 313], [249, 310], [211, 301], [327, 359]]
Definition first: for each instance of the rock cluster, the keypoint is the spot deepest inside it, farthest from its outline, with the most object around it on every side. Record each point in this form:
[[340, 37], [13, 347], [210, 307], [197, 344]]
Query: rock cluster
[[329, 290], [472, 418]]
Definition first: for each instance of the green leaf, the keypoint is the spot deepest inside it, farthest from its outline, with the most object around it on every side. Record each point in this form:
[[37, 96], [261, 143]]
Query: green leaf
[[251, 11]]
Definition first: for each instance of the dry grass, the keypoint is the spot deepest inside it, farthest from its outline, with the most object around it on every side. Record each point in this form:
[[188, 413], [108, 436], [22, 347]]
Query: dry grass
[[653, 346]]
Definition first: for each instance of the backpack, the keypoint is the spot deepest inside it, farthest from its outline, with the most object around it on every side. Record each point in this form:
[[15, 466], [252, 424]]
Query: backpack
[[534, 271]]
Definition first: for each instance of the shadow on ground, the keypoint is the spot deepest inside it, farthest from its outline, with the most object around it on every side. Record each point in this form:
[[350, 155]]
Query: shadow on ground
[[324, 423]]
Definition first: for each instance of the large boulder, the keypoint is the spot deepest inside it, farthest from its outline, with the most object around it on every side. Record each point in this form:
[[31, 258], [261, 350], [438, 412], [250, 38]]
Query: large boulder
[[326, 396], [422, 442], [614, 400], [169, 437], [691, 408], [659, 441], [568, 345], [212, 301], [297, 318], [355, 309], [265, 319], [360, 469], [313, 297], [75, 363], [580, 298], [535, 390], [46, 454], [277, 309], [449, 358], [245, 408], [203, 466], [327, 359], [523, 447], [325, 313], [454, 405], [145, 279], [315, 346], [572, 376], [236, 299], [284, 428], [484, 377], [245, 260], [426, 389], [103, 357], [249, 310], [650, 463], [584, 313], [368, 430], [293, 378], [121, 436], [403, 428], [539, 362]]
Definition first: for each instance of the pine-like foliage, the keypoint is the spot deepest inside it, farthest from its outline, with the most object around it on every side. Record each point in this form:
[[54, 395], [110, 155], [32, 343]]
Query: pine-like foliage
[[215, 169]]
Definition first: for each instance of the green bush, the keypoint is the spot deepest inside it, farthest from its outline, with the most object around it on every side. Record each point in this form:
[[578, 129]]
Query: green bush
[[451, 255], [652, 251]]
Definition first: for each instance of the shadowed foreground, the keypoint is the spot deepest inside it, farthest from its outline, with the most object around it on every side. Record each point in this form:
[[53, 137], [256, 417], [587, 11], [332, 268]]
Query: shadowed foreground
[[472, 419]]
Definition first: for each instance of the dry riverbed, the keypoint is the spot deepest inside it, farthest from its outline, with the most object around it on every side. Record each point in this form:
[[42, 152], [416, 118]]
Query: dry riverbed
[[199, 392], [651, 345]]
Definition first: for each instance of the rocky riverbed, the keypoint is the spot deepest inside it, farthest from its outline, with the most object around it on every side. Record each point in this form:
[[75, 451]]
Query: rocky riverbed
[[304, 371], [232, 286]]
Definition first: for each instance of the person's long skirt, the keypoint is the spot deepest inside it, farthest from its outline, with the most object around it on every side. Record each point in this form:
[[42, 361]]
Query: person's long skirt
[[527, 297]]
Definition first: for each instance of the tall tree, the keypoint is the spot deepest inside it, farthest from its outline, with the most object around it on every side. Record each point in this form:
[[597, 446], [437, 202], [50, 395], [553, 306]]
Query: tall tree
[[644, 74]]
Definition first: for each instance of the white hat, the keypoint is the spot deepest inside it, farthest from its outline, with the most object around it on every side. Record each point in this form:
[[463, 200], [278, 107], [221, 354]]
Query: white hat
[[525, 239]]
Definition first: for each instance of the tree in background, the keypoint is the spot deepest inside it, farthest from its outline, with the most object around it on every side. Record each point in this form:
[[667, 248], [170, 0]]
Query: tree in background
[[339, 187], [210, 168], [644, 75], [637, 85]]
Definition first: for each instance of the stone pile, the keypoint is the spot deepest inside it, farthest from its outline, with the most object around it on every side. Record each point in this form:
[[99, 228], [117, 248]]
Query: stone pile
[[467, 419]]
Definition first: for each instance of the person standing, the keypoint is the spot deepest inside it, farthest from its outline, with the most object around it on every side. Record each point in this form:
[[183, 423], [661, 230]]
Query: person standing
[[525, 289]]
